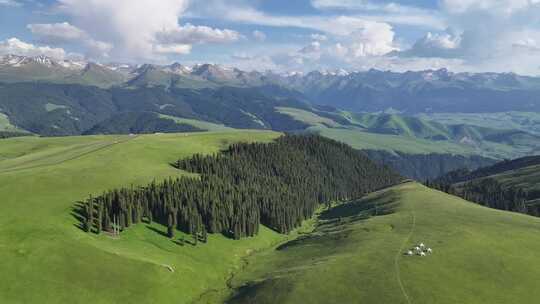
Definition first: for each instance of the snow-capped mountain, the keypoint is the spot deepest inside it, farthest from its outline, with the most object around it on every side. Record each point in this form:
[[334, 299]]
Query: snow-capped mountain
[[373, 90]]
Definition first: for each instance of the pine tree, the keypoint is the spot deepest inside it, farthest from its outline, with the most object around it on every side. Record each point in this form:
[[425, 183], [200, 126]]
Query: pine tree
[[170, 226]]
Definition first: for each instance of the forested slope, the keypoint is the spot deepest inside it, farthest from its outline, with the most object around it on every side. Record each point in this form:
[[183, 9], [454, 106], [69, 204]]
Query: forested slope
[[510, 185], [278, 184]]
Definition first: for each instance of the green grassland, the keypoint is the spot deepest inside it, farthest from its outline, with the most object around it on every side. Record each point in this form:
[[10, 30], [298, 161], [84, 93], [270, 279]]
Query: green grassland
[[371, 141], [307, 117], [200, 124], [419, 135], [526, 121], [480, 255], [47, 259], [345, 256]]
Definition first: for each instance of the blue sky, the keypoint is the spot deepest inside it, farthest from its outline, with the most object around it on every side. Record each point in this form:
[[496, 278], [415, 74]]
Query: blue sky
[[284, 35]]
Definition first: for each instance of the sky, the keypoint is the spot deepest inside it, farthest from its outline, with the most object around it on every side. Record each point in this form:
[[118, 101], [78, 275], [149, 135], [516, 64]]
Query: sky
[[282, 35]]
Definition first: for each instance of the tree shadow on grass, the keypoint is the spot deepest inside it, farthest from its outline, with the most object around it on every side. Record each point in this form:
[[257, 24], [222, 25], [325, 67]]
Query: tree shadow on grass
[[78, 212], [362, 208], [162, 233], [334, 224]]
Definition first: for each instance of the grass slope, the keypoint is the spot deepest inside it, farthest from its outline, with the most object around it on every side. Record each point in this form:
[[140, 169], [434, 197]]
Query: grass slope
[[200, 124], [5, 124], [525, 121], [417, 135], [371, 141], [47, 259], [480, 255]]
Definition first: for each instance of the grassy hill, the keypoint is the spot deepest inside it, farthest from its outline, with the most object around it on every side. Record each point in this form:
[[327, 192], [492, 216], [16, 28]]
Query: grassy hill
[[47, 259], [480, 255], [348, 255]]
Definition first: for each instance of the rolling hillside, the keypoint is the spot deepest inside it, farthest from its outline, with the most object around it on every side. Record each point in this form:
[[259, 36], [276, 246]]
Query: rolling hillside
[[66, 109], [511, 185], [415, 135], [354, 256], [49, 260], [351, 253]]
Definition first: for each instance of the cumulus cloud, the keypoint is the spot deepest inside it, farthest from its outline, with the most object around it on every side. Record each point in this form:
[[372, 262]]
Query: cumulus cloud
[[259, 36], [373, 41], [142, 29], [18, 47], [180, 49], [130, 26], [65, 33], [57, 32], [442, 45], [365, 37], [191, 34], [313, 47]]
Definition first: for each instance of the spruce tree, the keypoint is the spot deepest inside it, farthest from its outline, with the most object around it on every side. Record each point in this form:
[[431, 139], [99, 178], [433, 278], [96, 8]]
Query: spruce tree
[[170, 226]]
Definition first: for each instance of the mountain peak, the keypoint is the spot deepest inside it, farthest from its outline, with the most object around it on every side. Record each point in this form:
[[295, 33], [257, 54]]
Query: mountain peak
[[177, 68]]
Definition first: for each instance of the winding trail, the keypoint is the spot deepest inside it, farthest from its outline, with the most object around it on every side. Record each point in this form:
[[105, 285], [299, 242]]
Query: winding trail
[[399, 253]]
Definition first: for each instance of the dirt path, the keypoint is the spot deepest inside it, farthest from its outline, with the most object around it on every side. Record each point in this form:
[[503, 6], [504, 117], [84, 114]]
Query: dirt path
[[398, 255]]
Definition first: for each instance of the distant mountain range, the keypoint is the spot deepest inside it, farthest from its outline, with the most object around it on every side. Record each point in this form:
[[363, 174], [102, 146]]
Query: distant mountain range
[[373, 90], [404, 120]]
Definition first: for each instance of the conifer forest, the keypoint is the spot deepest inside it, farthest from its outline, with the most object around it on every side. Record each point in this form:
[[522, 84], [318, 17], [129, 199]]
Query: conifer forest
[[276, 184]]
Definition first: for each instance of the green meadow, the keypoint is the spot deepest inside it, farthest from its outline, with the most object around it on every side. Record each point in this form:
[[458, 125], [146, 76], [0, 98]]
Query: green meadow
[[47, 259], [480, 255], [351, 253]]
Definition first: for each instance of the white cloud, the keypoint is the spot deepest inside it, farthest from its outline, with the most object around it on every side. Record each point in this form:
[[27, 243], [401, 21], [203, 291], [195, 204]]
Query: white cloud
[[259, 36], [339, 51], [504, 7], [329, 24], [57, 32], [65, 33], [392, 12], [442, 45], [191, 34], [373, 41], [11, 3], [365, 37], [18, 47], [180, 49], [364, 5], [313, 47], [141, 30], [319, 37], [129, 25]]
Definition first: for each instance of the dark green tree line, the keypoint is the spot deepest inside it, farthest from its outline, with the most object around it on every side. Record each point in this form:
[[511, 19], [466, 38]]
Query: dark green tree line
[[277, 184], [490, 193]]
